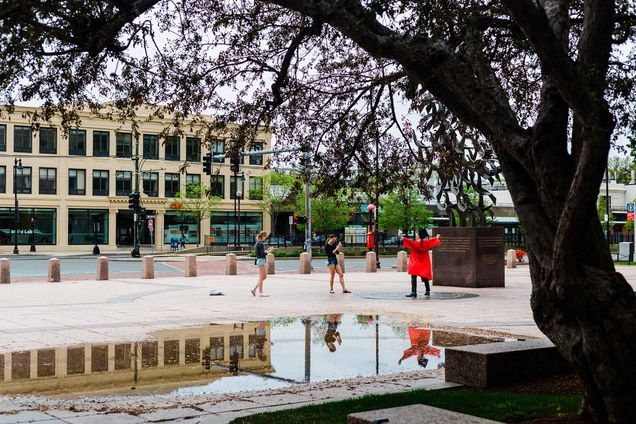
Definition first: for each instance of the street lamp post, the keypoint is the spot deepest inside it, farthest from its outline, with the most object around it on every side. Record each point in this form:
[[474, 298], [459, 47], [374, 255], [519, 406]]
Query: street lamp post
[[17, 164], [373, 222], [32, 233], [239, 196]]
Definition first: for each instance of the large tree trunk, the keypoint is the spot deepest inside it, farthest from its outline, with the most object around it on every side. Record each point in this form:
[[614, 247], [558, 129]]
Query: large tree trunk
[[593, 324]]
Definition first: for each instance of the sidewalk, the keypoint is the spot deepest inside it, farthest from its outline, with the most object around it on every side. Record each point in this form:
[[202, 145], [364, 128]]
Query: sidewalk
[[41, 315]]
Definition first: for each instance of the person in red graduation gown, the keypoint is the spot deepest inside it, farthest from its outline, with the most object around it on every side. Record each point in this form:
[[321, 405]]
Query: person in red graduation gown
[[419, 260]]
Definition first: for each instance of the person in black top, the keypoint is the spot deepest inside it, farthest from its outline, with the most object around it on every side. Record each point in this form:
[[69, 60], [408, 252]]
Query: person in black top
[[261, 253], [332, 249]]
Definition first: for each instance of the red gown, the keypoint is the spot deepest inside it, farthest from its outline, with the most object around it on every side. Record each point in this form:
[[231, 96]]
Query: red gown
[[370, 240], [419, 261], [419, 343]]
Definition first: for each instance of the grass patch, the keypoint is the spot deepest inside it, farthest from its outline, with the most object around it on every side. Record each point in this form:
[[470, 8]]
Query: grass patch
[[624, 263], [507, 407]]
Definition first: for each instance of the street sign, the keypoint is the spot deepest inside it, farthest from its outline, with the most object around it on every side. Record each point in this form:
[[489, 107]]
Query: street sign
[[630, 207], [150, 224], [630, 216], [291, 220]]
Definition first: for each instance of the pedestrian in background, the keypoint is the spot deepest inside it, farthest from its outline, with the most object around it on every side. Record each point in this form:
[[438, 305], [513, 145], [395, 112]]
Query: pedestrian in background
[[332, 249], [419, 260], [261, 262]]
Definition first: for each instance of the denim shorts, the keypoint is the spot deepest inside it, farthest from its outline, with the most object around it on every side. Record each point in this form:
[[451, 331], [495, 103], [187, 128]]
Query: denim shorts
[[260, 262], [332, 261]]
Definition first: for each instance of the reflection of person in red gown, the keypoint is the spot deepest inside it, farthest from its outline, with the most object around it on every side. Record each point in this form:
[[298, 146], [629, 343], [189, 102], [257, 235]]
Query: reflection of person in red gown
[[420, 338]]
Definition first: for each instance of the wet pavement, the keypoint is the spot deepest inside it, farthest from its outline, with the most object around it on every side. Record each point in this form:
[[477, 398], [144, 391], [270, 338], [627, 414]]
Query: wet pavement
[[95, 317]]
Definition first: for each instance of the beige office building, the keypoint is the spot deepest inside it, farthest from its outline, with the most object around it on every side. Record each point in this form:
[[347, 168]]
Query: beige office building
[[73, 189]]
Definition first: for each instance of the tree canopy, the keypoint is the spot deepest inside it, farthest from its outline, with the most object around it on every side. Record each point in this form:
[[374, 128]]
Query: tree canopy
[[543, 85]]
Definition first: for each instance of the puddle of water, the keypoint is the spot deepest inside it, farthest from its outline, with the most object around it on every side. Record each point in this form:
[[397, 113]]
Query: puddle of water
[[225, 358]]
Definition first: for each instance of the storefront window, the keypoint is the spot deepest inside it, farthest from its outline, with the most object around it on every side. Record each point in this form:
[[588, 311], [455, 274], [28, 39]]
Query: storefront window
[[222, 227], [44, 226], [179, 224], [87, 226]]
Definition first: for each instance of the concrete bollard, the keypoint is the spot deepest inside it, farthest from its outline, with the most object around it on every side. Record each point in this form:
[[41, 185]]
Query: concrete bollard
[[305, 263], [270, 259], [54, 270], [341, 261], [511, 258], [147, 268], [102, 268], [402, 261], [5, 271], [371, 264], [190, 266], [230, 264]]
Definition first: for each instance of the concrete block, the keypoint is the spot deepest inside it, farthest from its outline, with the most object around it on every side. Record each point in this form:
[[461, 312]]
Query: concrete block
[[341, 261], [5, 271], [511, 258], [402, 261], [270, 260], [494, 364], [230, 264], [147, 268], [414, 414], [190, 266], [371, 263], [102, 268], [305, 264], [54, 271]]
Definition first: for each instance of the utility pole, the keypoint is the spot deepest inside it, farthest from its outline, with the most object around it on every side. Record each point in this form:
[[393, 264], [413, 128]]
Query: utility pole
[[376, 234], [308, 237], [135, 252]]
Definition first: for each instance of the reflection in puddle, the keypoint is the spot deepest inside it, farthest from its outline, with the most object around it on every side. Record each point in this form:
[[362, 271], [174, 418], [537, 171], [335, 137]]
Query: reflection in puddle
[[233, 357]]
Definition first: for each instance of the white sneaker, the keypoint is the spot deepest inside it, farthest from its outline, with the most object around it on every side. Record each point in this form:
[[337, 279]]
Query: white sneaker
[[263, 295]]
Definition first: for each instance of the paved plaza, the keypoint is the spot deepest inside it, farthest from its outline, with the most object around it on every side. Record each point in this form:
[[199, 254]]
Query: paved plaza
[[38, 315]]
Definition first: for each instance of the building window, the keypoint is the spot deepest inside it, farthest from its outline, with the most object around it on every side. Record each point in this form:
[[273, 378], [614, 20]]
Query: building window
[[3, 138], [23, 180], [77, 142], [151, 146], [3, 179], [193, 149], [236, 192], [100, 183], [22, 139], [193, 185], [123, 146], [223, 226], [77, 181], [48, 181], [256, 159], [44, 225], [256, 188], [172, 185], [151, 184], [48, 140], [217, 186], [101, 143], [87, 226], [218, 148], [173, 146], [123, 183]]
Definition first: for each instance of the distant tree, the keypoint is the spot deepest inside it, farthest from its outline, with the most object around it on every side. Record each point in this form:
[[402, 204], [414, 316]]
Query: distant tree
[[602, 211], [328, 213], [619, 168], [196, 203], [278, 194], [404, 210]]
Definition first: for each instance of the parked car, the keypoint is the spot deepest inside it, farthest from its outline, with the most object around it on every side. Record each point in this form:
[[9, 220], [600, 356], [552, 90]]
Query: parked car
[[276, 241], [393, 240]]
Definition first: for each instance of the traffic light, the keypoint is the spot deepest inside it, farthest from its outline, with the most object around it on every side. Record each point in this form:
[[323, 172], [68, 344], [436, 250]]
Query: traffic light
[[133, 201], [301, 220], [235, 162], [207, 163]]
